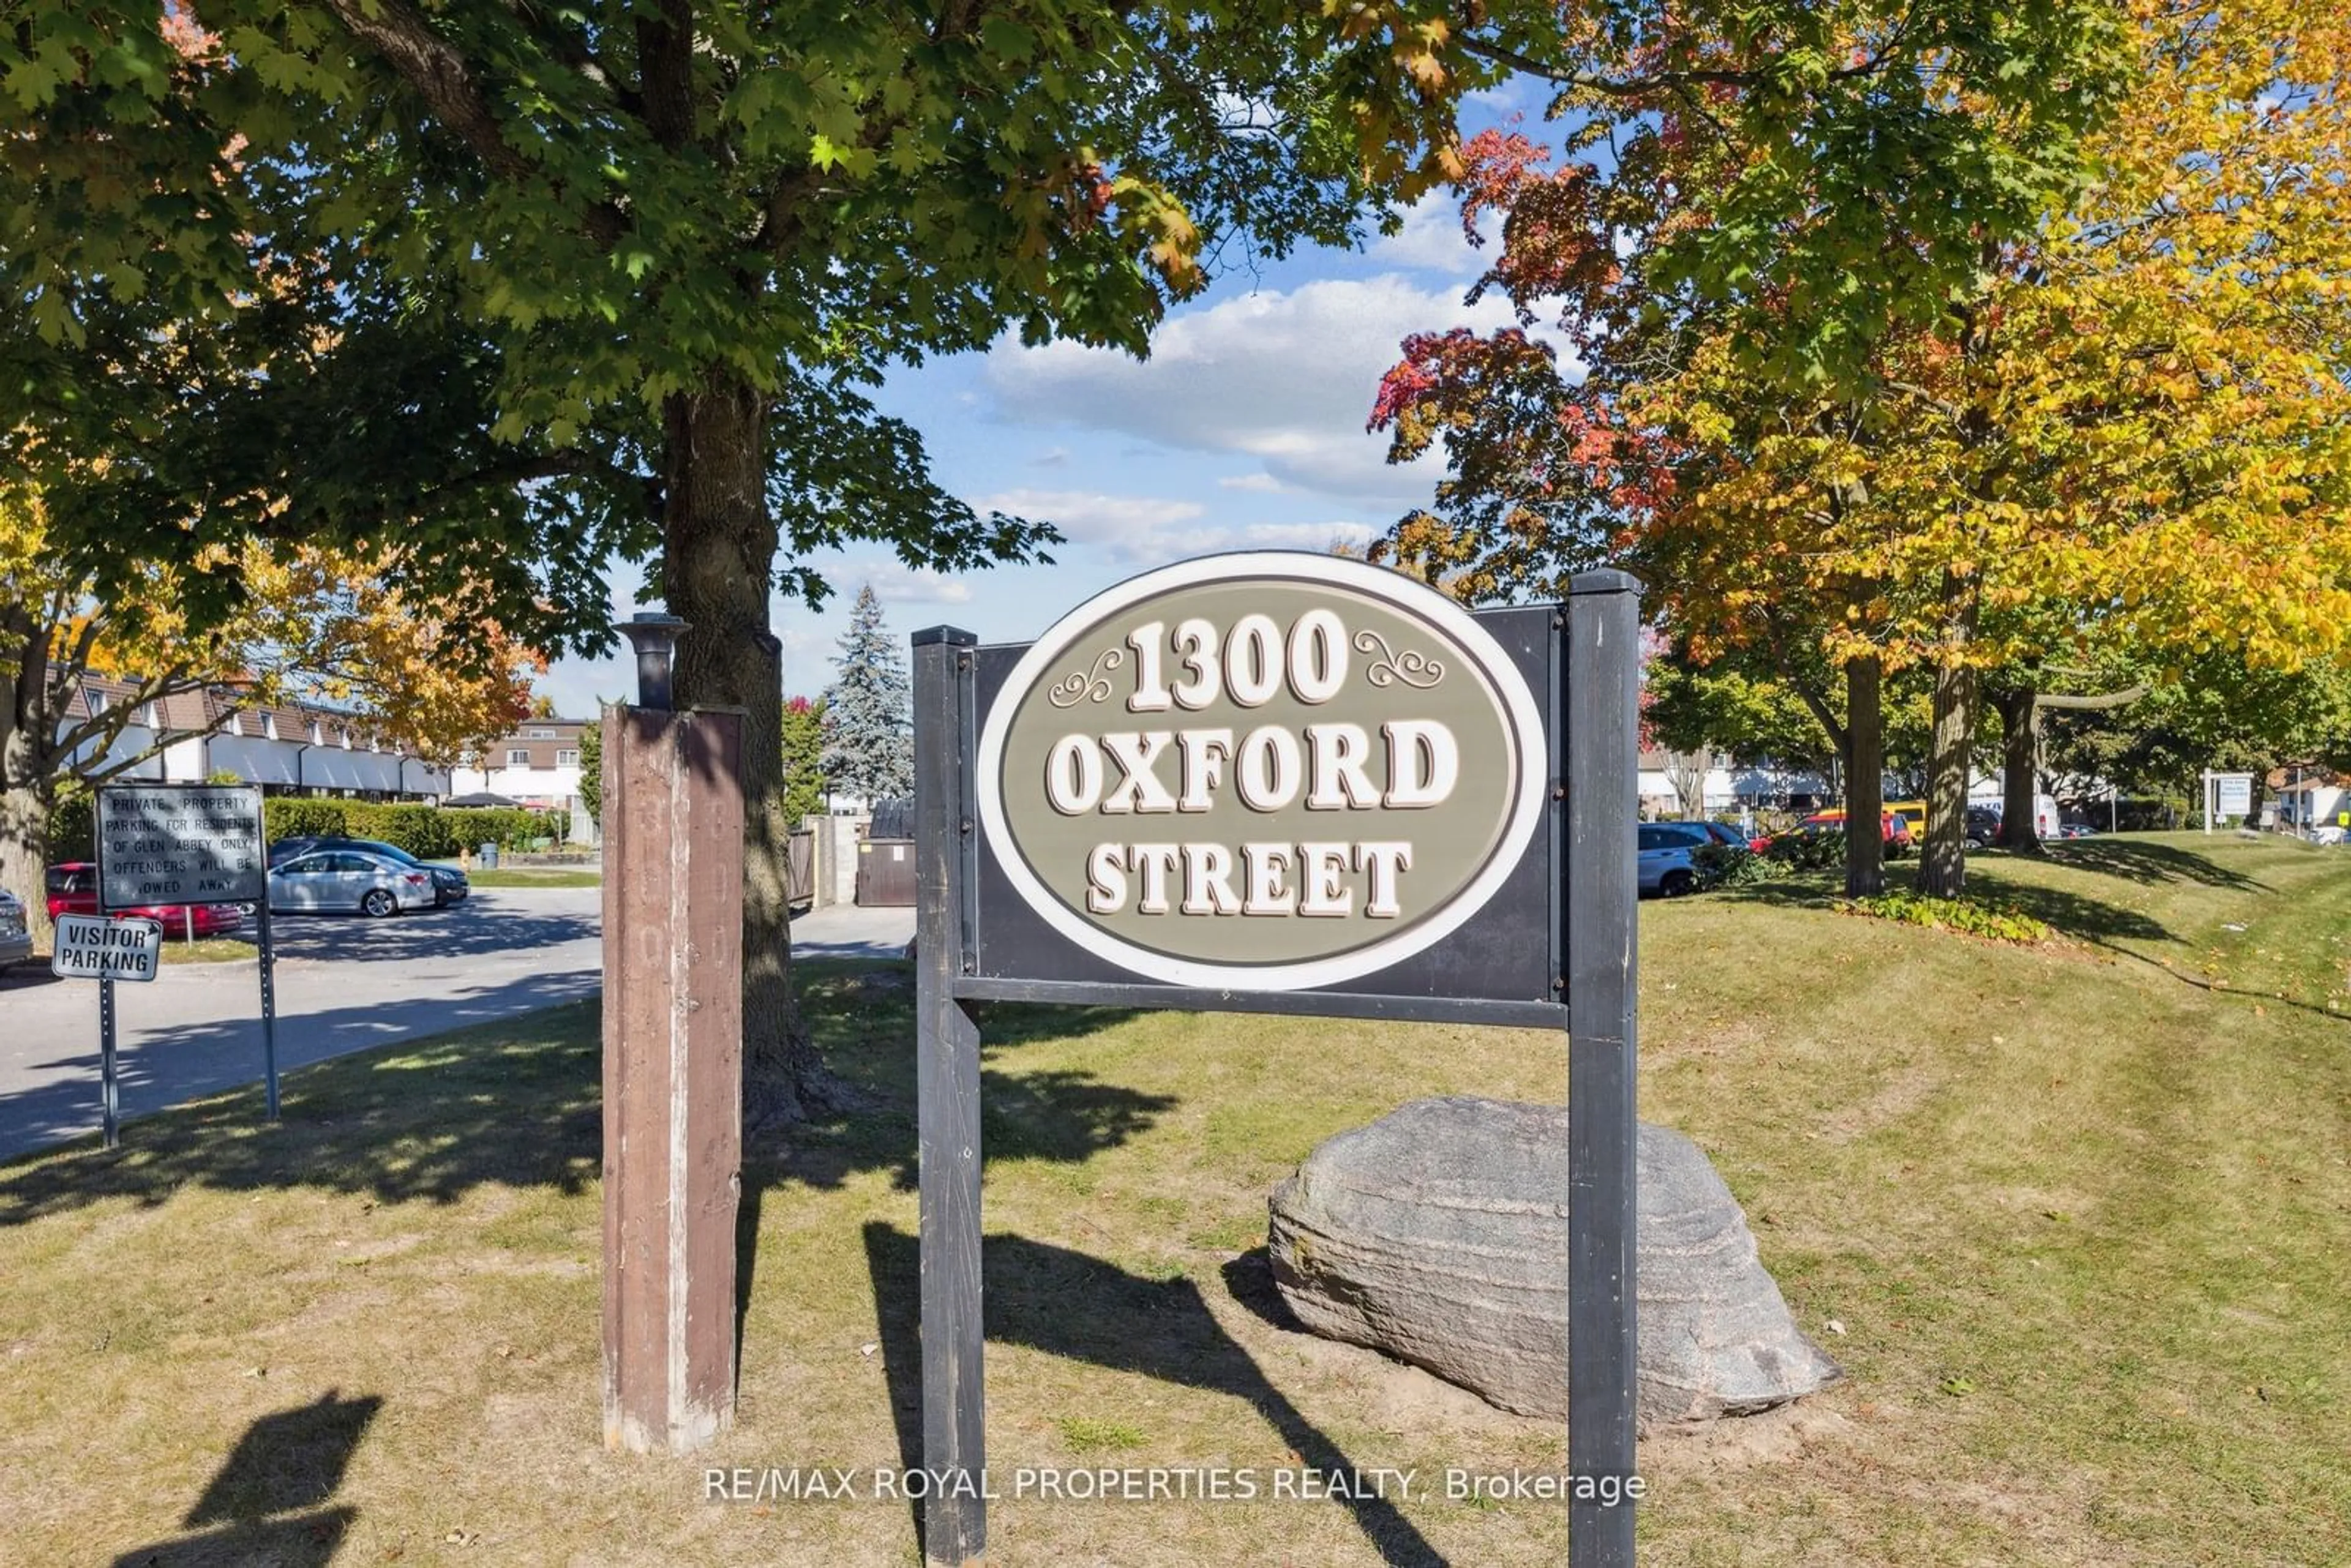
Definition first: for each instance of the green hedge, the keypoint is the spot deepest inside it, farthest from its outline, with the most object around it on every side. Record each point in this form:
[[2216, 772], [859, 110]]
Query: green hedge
[[301, 818], [73, 828], [1808, 851], [431, 832]]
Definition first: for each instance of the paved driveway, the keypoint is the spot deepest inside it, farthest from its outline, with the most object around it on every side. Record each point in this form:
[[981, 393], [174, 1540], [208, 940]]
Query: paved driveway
[[344, 983]]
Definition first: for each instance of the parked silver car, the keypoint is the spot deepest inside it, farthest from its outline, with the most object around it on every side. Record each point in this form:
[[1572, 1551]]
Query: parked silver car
[[16, 938], [1668, 864], [332, 880]]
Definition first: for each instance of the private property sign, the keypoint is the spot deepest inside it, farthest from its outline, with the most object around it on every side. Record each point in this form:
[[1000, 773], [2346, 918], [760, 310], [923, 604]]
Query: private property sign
[[165, 845], [180, 843], [1285, 783], [1266, 772], [93, 948]]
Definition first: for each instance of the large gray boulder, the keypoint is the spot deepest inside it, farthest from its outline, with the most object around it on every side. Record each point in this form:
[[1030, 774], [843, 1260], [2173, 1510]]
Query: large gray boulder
[[1439, 1234]]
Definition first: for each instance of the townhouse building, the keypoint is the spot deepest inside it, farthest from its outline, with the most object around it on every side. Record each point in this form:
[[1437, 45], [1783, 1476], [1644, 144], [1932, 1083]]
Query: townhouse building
[[537, 766], [288, 748]]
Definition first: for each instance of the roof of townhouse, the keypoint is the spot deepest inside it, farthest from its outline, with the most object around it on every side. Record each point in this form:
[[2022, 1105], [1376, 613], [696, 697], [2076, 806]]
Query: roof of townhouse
[[221, 709]]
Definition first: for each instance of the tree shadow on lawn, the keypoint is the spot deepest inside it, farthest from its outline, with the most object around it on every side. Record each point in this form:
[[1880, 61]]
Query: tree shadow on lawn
[[1065, 1303], [516, 1102], [164, 1065], [519, 1102], [2085, 919], [862, 1016], [2137, 861]]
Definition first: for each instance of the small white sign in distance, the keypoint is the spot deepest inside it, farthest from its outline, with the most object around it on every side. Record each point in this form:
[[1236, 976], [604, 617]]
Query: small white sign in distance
[[93, 948], [2236, 794]]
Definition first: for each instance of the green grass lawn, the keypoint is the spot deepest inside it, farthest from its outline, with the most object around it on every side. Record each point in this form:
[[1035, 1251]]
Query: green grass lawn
[[2083, 1212], [210, 950], [525, 877]]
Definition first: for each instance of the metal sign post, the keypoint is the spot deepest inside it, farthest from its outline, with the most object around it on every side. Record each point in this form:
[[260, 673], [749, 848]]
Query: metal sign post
[[93, 947], [269, 1005], [1286, 783], [109, 1091]]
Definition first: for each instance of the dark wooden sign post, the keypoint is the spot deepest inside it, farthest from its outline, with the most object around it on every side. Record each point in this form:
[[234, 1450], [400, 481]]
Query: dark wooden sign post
[[1292, 784]]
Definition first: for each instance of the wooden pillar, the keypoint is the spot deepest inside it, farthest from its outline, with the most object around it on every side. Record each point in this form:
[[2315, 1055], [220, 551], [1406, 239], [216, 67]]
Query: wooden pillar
[[673, 1074], [1602, 720], [947, 1092]]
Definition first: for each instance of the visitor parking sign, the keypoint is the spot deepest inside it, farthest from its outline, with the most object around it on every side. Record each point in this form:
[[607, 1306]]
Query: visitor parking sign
[[93, 948]]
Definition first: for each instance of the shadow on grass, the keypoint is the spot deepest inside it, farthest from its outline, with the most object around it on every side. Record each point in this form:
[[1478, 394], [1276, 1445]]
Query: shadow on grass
[[2139, 862], [862, 1016], [2083, 919], [164, 1065], [519, 1102], [2073, 915], [1068, 1304], [269, 1499]]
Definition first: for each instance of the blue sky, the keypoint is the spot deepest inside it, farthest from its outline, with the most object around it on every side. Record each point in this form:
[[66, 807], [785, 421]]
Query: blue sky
[[1244, 429]]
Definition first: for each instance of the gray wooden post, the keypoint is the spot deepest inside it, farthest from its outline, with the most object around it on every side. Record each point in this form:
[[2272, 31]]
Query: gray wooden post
[[673, 1074], [1602, 720], [946, 1077]]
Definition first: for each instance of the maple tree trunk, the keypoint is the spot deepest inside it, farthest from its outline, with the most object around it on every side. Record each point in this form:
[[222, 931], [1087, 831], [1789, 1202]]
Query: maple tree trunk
[[1943, 856], [2020, 755], [1864, 796], [27, 787], [25, 852], [719, 558]]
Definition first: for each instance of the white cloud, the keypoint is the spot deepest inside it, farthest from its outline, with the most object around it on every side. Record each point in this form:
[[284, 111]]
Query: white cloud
[[1260, 482], [1145, 530], [1285, 379], [895, 582], [1431, 240], [1090, 517], [1306, 536]]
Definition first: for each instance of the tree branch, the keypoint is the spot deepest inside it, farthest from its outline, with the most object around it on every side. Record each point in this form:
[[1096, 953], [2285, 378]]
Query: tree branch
[[443, 77], [2097, 704], [1662, 81]]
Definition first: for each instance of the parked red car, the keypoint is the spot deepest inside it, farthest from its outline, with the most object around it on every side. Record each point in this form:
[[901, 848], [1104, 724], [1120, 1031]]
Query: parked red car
[[73, 890], [1896, 828]]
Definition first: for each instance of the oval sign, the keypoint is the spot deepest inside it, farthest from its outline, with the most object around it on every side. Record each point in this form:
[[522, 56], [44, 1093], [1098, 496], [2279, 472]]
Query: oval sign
[[1265, 771]]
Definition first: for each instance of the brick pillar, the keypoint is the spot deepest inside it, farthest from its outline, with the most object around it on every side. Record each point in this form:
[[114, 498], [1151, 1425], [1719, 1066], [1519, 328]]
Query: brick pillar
[[673, 1074]]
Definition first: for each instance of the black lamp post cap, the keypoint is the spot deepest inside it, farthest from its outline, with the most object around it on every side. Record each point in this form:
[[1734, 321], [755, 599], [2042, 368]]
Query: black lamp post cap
[[654, 635]]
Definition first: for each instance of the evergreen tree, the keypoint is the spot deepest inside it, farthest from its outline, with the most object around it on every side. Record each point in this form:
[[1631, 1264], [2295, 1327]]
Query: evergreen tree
[[591, 767], [869, 739], [804, 742]]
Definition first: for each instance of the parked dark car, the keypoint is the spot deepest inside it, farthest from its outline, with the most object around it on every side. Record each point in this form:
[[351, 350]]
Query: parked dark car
[[73, 890], [449, 885]]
